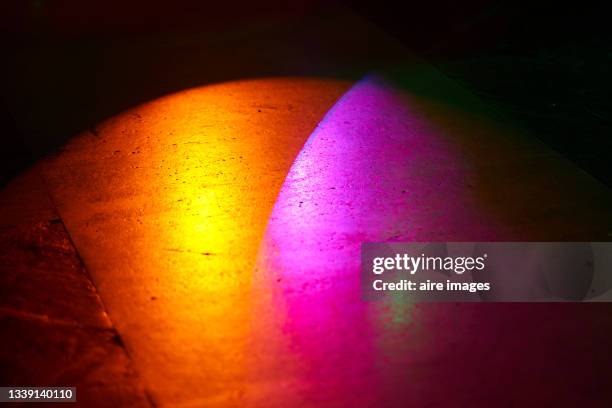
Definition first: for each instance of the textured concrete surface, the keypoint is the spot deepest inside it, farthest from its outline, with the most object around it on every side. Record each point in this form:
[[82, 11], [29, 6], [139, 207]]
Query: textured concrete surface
[[220, 227], [387, 164], [55, 329], [167, 205], [168, 202]]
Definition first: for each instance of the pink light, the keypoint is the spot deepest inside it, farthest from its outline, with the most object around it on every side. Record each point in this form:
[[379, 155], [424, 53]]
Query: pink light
[[375, 169]]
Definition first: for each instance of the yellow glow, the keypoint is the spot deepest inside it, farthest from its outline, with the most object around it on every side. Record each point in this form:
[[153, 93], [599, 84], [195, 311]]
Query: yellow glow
[[179, 191]]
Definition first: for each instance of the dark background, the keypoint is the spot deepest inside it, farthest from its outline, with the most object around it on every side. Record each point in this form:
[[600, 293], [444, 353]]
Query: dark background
[[546, 65]]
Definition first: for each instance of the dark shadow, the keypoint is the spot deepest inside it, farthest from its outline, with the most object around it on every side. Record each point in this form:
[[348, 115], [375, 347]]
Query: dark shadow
[[58, 84], [15, 156]]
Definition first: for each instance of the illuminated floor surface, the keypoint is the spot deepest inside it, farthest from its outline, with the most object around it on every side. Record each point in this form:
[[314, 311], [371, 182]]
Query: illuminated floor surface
[[222, 224]]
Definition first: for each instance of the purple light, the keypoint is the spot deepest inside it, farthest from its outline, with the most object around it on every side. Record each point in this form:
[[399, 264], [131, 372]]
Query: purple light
[[375, 169]]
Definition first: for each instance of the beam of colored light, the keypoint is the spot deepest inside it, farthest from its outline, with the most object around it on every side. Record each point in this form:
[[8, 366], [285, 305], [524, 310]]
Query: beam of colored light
[[376, 169], [167, 205]]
